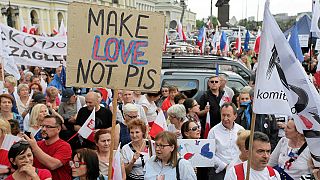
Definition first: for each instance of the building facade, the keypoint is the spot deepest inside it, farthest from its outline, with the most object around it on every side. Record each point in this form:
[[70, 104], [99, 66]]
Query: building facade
[[47, 15]]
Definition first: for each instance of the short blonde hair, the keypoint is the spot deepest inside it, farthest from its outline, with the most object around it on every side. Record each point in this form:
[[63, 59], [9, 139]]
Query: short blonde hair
[[5, 127], [129, 107], [11, 79], [20, 86], [242, 136], [178, 111]]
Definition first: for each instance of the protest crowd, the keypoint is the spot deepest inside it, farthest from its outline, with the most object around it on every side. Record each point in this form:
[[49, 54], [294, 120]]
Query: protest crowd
[[51, 131]]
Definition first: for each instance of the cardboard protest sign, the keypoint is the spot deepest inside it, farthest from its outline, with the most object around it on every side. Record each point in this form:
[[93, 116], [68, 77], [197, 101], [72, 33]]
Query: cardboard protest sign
[[115, 48], [200, 152], [31, 50]]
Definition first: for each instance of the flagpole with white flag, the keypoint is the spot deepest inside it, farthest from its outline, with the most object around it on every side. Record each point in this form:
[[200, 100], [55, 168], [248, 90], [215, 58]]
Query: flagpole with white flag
[[283, 87]]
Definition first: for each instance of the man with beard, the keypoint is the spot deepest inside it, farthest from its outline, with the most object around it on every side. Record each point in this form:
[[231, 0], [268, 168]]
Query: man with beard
[[103, 117], [259, 170], [53, 153]]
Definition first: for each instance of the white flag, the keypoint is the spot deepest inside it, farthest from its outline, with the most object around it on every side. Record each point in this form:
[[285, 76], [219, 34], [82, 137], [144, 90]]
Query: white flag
[[315, 17], [280, 73]]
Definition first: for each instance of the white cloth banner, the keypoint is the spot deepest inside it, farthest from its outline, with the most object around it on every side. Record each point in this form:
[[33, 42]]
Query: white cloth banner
[[21, 48], [280, 73]]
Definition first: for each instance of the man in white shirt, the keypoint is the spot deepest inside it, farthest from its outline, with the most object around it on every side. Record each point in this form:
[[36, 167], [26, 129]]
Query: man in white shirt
[[259, 170], [225, 136]]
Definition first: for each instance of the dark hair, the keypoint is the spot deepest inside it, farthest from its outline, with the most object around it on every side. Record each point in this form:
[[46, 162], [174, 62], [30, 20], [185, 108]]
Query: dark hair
[[188, 103], [33, 77], [92, 162], [58, 120], [138, 123], [99, 133], [171, 139], [16, 149], [185, 128], [178, 97], [173, 88], [154, 94], [8, 96], [14, 125], [257, 136], [227, 104]]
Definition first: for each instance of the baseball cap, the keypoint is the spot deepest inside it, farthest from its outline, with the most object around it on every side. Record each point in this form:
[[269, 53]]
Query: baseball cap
[[39, 98], [66, 94]]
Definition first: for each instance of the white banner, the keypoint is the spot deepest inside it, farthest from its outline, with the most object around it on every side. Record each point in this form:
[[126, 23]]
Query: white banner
[[303, 40], [27, 49]]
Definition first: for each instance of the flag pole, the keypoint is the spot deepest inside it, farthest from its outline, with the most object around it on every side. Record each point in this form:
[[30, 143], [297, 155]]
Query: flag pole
[[114, 116], [253, 122]]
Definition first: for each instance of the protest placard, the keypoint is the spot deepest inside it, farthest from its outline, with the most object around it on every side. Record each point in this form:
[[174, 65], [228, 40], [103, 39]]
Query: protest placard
[[114, 48], [199, 152], [31, 50]]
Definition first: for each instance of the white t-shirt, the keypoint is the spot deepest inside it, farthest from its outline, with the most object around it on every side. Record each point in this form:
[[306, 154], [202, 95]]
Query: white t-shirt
[[280, 155], [254, 175], [152, 108], [137, 169]]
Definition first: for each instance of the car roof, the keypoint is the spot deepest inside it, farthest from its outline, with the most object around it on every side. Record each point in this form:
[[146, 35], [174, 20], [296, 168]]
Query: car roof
[[230, 74]]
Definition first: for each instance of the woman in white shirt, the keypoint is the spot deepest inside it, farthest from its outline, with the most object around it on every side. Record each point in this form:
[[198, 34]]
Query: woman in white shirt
[[165, 164], [177, 116], [287, 148]]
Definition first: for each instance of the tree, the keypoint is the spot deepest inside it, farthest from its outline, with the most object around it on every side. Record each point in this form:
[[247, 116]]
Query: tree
[[199, 23]]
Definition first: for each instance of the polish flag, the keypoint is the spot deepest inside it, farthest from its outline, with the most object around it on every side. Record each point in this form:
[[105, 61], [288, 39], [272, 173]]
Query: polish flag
[[208, 127], [257, 42], [159, 125], [116, 165], [23, 27], [225, 98], [238, 42], [182, 36], [165, 43], [317, 74], [62, 29], [87, 129], [8, 141], [55, 31]]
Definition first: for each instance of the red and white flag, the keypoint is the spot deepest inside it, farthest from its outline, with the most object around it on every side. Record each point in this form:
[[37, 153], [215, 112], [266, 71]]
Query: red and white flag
[[182, 36], [23, 27], [238, 42], [33, 30], [283, 87], [159, 125], [116, 165], [8, 141], [257, 42], [225, 98], [207, 127], [87, 129]]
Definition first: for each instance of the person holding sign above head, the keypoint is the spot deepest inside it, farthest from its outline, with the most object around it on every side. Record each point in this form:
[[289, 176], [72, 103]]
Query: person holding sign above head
[[137, 152], [259, 170], [165, 164], [225, 136]]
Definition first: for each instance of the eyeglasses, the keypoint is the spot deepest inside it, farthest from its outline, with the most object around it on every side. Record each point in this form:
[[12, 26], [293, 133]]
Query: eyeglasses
[[214, 82], [161, 146], [165, 91], [17, 144], [48, 126], [194, 128], [131, 117], [76, 164]]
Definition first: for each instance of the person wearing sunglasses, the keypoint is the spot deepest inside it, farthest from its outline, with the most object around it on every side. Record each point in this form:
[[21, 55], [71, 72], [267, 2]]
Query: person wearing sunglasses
[[190, 130], [192, 110], [53, 153], [21, 159], [85, 165], [165, 164]]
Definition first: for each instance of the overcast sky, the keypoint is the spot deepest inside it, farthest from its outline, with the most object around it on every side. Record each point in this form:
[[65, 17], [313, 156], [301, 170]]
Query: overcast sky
[[238, 7]]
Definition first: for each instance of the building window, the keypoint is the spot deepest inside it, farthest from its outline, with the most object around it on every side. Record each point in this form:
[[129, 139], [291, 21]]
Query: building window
[[34, 18], [60, 18], [115, 1]]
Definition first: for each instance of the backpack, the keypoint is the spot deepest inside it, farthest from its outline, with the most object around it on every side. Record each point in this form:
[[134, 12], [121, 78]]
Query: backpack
[[240, 171]]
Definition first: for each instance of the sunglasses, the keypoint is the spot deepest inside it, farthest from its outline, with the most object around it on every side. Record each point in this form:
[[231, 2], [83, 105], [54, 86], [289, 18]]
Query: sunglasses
[[214, 82], [195, 128], [76, 164]]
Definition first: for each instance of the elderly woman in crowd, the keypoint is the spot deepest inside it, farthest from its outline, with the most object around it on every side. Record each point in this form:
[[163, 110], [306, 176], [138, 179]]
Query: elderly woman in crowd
[[102, 138], [243, 156], [23, 100], [177, 115], [21, 159], [136, 153], [6, 103], [4, 162], [27, 76], [165, 163], [85, 165], [53, 98], [130, 112], [291, 154]]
